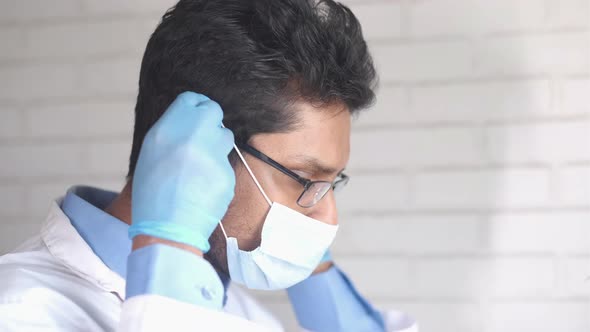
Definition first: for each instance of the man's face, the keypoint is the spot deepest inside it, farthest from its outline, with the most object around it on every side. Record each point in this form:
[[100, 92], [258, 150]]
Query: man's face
[[317, 149]]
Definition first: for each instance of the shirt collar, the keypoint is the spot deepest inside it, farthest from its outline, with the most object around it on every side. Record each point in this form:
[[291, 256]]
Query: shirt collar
[[105, 234], [67, 246]]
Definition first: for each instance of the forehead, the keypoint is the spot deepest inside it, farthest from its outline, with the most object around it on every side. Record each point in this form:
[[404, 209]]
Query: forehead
[[322, 133]]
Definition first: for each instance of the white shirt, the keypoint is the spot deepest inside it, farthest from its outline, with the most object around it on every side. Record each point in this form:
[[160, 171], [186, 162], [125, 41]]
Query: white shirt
[[55, 282]]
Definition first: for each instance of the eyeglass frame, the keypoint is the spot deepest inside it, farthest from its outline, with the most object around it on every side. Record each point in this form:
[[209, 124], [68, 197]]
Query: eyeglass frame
[[306, 183]]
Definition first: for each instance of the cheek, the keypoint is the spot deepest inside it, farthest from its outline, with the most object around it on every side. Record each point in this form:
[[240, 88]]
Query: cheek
[[246, 213]]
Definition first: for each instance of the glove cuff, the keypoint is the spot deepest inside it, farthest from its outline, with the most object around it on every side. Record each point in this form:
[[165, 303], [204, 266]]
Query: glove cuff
[[178, 232]]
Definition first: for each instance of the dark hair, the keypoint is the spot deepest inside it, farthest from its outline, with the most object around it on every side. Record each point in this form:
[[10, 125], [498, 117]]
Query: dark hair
[[255, 58]]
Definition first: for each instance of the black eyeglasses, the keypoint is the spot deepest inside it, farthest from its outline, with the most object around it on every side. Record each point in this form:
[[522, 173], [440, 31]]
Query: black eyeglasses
[[313, 191]]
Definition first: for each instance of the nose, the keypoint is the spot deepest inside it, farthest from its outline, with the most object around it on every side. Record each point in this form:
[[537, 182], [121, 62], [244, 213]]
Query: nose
[[325, 210]]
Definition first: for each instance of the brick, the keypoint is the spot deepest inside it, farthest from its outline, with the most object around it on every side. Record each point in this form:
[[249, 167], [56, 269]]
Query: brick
[[90, 119], [111, 77], [15, 232], [109, 158], [12, 198], [37, 81], [568, 13], [373, 193], [548, 142], [475, 277], [510, 15], [416, 147], [379, 20], [436, 18], [391, 107], [559, 53], [574, 186], [482, 189], [40, 195], [447, 17], [26, 10], [476, 102], [571, 316], [44, 160], [423, 61], [145, 28], [13, 43], [558, 232], [112, 183], [12, 124], [401, 234], [86, 39], [132, 6], [575, 96], [576, 272], [370, 274]]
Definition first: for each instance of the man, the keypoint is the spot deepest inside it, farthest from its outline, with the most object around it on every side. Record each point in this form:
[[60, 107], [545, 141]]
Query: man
[[205, 206]]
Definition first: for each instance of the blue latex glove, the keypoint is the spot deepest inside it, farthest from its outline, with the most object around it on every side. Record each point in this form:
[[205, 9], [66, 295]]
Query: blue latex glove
[[183, 181]]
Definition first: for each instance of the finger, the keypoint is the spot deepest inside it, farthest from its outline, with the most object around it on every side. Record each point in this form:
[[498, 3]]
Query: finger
[[211, 113], [227, 141], [192, 98], [179, 115]]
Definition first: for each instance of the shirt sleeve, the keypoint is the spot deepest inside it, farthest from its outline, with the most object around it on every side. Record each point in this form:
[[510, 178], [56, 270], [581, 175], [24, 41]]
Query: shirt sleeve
[[173, 273], [328, 301]]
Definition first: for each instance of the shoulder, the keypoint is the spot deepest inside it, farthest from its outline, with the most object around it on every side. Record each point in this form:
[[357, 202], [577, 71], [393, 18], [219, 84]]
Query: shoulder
[[30, 266], [33, 269], [36, 289]]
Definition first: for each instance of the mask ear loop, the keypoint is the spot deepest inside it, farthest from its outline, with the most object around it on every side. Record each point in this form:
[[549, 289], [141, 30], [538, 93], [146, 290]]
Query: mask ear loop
[[253, 178], [251, 173]]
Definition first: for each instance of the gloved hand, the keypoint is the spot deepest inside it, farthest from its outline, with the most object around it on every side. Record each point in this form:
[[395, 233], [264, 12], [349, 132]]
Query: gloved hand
[[183, 182]]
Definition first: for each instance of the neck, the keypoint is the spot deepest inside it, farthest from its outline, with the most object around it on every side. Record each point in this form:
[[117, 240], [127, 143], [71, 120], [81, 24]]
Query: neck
[[120, 207]]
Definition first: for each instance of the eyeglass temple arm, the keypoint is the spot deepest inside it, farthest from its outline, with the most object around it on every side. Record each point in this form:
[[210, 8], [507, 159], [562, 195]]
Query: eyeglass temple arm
[[251, 150]]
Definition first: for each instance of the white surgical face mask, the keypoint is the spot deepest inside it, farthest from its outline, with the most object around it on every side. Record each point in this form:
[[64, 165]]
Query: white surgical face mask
[[292, 245]]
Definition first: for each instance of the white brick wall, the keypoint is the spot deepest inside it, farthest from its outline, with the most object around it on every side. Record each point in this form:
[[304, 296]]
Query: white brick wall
[[469, 204]]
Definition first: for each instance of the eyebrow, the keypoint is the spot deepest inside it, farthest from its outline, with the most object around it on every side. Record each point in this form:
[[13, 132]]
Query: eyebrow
[[315, 165]]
